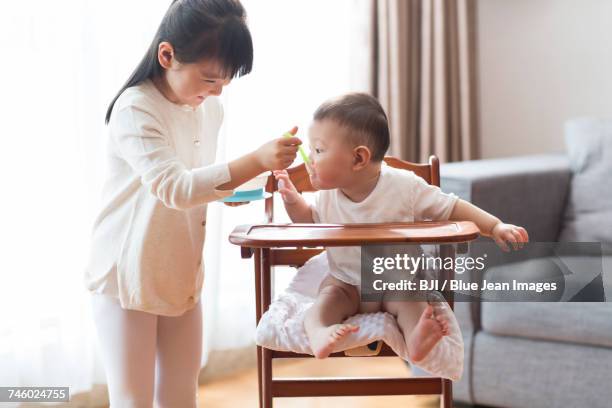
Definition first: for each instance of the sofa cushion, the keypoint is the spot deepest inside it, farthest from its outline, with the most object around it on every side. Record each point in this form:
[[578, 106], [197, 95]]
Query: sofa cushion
[[588, 214], [575, 322], [512, 372]]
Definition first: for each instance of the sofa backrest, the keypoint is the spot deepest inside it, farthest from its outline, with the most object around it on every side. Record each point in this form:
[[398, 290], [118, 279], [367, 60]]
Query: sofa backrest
[[588, 214]]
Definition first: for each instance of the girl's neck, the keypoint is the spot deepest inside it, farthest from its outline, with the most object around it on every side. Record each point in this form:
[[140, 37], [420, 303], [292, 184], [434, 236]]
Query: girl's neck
[[162, 86]]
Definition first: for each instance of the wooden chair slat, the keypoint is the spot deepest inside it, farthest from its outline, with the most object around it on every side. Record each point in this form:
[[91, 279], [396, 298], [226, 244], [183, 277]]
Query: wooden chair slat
[[335, 387]]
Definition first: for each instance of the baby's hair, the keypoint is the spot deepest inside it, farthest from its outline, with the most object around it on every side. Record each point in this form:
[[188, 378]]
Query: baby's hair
[[199, 29], [363, 116]]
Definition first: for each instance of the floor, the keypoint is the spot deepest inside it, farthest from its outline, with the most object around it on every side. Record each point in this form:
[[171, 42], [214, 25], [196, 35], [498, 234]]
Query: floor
[[241, 390]]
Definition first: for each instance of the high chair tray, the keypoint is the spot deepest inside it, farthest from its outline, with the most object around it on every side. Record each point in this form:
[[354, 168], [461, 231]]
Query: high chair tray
[[313, 235]]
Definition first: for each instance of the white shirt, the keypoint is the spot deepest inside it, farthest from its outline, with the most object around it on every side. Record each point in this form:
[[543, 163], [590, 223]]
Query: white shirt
[[147, 241], [399, 196]]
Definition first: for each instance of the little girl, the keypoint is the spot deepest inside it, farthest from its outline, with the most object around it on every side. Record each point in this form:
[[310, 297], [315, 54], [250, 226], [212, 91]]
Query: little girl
[[145, 270]]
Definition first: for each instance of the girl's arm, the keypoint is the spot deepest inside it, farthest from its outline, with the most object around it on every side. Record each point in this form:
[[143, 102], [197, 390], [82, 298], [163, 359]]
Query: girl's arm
[[489, 225], [142, 140], [276, 154], [297, 208]]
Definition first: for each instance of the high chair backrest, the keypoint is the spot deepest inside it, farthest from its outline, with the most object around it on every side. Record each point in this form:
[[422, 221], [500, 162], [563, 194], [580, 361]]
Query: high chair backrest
[[430, 172]]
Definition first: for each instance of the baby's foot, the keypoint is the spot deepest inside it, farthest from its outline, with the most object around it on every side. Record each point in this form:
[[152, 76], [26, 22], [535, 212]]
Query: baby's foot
[[323, 340], [426, 334]]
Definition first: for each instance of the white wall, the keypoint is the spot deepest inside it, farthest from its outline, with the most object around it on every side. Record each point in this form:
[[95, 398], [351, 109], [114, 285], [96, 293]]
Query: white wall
[[541, 62]]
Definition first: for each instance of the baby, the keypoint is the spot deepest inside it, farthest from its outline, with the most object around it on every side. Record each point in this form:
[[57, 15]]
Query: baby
[[349, 137]]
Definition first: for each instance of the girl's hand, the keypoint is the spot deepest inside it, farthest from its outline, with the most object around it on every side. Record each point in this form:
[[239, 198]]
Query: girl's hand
[[278, 153], [285, 187], [503, 233], [236, 204]]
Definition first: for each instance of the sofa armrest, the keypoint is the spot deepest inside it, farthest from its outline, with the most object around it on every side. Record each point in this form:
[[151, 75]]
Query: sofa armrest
[[529, 191]]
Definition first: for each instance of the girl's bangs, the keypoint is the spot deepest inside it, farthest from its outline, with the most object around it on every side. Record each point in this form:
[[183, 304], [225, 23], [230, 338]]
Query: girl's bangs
[[231, 45], [235, 51]]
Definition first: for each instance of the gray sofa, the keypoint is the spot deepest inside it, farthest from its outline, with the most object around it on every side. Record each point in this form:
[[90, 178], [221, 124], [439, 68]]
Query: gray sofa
[[542, 354]]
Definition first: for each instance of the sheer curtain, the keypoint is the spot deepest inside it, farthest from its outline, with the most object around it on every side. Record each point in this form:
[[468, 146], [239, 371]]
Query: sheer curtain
[[63, 62], [305, 52]]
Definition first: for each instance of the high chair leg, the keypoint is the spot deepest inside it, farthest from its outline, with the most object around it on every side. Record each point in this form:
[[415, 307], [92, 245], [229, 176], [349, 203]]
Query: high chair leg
[[448, 250], [446, 399], [259, 375], [267, 378], [258, 313], [266, 299]]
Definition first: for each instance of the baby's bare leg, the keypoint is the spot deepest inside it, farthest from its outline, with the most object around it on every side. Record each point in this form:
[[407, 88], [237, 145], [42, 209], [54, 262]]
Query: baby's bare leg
[[422, 329], [335, 302]]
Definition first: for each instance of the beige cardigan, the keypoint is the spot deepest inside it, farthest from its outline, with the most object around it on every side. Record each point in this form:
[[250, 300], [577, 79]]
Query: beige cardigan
[[147, 241]]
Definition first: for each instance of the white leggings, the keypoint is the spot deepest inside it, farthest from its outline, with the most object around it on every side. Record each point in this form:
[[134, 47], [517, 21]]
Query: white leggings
[[132, 342]]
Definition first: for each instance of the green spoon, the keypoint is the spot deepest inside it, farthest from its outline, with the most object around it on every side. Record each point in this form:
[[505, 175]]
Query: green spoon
[[302, 152]]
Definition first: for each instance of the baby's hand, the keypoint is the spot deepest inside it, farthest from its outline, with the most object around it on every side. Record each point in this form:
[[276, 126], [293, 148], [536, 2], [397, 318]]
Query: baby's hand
[[236, 204], [503, 233], [285, 187]]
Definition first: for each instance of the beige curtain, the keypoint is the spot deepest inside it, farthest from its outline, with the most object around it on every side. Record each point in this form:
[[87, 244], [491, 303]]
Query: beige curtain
[[424, 74]]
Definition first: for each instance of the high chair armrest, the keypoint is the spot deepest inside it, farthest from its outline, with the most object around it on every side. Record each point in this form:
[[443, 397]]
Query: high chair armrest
[[316, 235]]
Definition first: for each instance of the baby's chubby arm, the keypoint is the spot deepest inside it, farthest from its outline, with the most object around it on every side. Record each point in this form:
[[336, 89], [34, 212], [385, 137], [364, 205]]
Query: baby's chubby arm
[[297, 208], [489, 225]]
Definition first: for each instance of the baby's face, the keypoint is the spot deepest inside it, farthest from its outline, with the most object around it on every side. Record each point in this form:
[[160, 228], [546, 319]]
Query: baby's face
[[331, 156]]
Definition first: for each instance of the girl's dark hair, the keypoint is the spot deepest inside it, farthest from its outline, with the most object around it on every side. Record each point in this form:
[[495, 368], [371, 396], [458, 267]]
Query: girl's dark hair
[[198, 29]]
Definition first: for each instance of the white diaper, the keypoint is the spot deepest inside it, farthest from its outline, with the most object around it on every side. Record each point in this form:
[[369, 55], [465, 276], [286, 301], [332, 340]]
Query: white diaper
[[282, 326]]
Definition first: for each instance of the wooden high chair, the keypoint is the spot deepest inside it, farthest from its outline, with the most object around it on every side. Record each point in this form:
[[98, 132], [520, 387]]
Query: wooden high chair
[[293, 244]]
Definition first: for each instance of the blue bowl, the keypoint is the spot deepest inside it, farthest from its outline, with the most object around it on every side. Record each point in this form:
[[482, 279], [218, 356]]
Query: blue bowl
[[246, 195]]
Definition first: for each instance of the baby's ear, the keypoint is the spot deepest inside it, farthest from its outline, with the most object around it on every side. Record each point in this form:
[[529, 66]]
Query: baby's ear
[[362, 156]]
